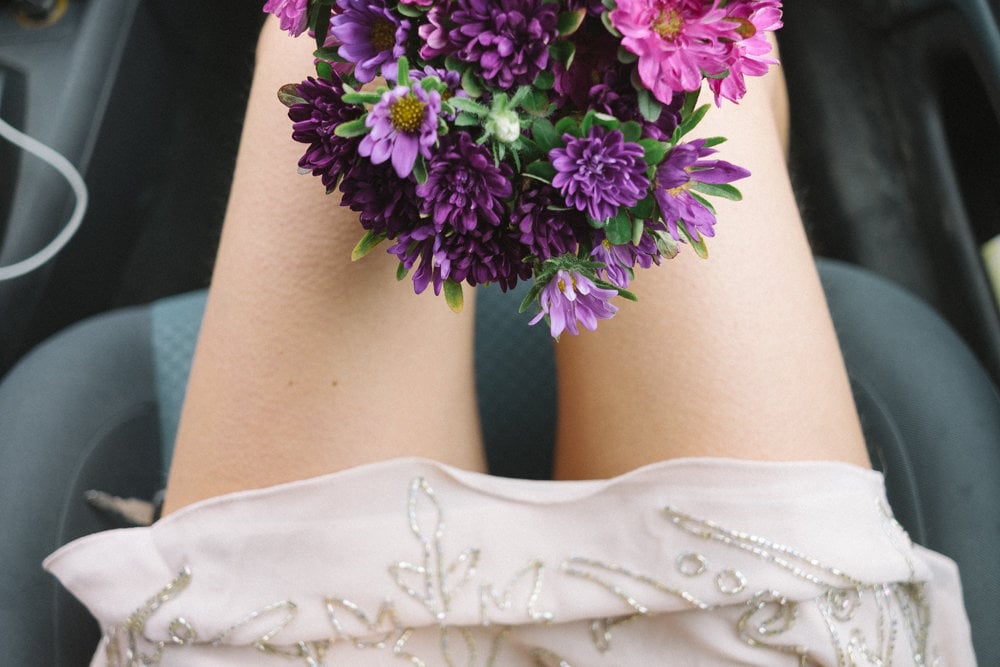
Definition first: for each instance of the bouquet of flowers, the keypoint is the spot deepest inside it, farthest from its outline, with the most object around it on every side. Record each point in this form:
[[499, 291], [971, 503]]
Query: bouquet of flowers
[[491, 141]]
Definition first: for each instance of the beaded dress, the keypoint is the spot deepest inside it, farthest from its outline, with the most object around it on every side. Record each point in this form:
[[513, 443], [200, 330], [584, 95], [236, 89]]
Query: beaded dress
[[689, 562]]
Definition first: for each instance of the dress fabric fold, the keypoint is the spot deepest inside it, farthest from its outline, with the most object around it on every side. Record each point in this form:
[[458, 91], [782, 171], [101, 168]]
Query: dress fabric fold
[[687, 562]]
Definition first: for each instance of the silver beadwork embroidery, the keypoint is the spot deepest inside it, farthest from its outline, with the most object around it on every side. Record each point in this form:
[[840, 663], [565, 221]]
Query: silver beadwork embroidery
[[867, 625]]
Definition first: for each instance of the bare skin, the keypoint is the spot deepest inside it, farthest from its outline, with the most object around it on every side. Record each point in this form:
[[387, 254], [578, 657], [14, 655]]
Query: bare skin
[[308, 363]]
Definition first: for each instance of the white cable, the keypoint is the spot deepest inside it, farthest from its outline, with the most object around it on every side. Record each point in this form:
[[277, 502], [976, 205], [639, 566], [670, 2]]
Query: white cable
[[72, 176]]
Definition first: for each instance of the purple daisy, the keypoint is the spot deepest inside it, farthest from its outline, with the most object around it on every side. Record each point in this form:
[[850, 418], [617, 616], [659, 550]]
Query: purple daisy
[[619, 260], [570, 297], [292, 15], [749, 56], [403, 124], [683, 168], [371, 36], [464, 185], [314, 122], [508, 39], [548, 230], [600, 172], [387, 204]]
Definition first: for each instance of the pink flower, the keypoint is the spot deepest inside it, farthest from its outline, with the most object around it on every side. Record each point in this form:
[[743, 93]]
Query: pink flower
[[292, 14], [754, 19], [677, 41]]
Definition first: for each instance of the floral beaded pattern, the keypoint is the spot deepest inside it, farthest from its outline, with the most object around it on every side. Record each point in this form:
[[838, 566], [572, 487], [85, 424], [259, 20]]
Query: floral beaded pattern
[[877, 625]]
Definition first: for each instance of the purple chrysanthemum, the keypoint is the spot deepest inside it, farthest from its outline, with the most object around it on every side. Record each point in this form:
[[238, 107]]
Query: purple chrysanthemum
[[464, 185], [292, 15], [571, 297], [403, 125], [371, 36], [387, 204], [600, 172], [547, 228], [681, 170], [481, 255], [314, 122], [619, 260], [508, 39]]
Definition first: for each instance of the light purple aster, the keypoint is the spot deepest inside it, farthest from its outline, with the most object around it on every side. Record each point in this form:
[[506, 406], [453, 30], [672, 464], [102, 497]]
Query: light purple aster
[[371, 36], [314, 122], [618, 260], [684, 167], [387, 204], [464, 185], [600, 172], [507, 39], [570, 298], [547, 228], [403, 125], [292, 14]]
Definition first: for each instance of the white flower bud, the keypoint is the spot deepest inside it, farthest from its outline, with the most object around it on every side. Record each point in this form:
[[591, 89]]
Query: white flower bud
[[506, 126]]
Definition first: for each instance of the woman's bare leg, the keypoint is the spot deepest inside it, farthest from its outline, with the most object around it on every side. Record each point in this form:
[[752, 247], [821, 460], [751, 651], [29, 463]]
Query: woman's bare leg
[[308, 363], [730, 357]]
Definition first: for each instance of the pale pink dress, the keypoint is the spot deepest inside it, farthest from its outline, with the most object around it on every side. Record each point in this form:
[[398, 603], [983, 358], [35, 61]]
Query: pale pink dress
[[690, 562]]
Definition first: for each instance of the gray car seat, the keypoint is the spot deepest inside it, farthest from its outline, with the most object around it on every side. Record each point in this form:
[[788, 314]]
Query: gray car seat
[[97, 406]]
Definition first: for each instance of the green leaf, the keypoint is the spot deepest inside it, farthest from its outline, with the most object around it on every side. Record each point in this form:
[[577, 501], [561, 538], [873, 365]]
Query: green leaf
[[403, 71], [319, 20], [638, 227], [541, 169], [723, 190], [606, 20], [563, 52], [690, 122], [352, 128], [530, 297], [453, 295], [288, 95], [401, 271], [545, 135], [625, 56], [520, 95], [469, 106], [323, 70], [545, 80], [470, 84], [420, 170], [714, 141], [361, 98], [631, 131], [704, 202], [645, 209], [649, 106], [466, 119], [690, 101], [587, 122], [606, 121], [366, 244], [655, 150], [568, 125], [537, 103], [619, 229], [569, 22], [408, 10], [695, 240], [328, 53]]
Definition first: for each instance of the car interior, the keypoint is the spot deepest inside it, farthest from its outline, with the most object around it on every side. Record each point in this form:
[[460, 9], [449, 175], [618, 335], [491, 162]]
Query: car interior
[[895, 158]]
